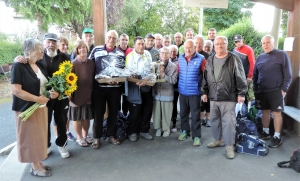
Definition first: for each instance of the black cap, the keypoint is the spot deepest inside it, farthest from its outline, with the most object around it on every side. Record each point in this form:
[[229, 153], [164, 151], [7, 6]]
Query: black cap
[[51, 36], [237, 38], [149, 35]]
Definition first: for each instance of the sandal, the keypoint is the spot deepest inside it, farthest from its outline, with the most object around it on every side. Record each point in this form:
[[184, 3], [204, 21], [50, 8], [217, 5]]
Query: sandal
[[39, 173], [113, 140], [96, 144], [82, 142], [89, 140]]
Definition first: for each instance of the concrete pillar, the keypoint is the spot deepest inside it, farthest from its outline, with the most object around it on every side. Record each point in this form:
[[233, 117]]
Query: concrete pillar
[[276, 25]]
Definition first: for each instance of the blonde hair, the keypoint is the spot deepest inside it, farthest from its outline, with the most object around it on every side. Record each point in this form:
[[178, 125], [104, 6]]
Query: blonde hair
[[78, 44]]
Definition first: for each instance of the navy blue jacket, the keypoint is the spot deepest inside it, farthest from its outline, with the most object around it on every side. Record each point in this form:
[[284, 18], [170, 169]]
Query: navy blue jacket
[[272, 71], [190, 75]]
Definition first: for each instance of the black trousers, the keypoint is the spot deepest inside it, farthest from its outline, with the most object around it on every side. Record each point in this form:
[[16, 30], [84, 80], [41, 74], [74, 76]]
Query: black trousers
[[100, 96], [140, 114], [59, 110], [174, 113], [190, 104]]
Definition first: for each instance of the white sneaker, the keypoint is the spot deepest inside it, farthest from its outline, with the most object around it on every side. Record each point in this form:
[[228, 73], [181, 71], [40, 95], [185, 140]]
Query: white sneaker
[[158, 132], [48, 150], [173, 130], [63, 152], [166, 134]]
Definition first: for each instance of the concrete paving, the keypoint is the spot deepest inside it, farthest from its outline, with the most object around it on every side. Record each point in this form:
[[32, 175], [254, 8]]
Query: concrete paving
[[8, 125], [167, 159]]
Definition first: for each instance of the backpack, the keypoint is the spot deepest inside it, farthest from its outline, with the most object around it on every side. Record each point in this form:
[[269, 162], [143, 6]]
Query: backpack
[[122, 126], [252, 113], [251, 145], [294, 162], [243, 124], [104, 133]]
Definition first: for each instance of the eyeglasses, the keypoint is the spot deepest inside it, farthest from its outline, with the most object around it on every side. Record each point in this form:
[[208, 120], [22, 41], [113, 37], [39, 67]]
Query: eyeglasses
[[164, 53], [173, 51], [236, 41], [220, 44], [113, 38]]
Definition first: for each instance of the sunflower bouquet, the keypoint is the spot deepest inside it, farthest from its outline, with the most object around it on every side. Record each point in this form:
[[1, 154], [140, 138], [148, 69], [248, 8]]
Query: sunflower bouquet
[[62, 81]]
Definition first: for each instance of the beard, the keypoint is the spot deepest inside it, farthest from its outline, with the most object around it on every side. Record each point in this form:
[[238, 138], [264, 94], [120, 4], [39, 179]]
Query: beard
[[51, 53]]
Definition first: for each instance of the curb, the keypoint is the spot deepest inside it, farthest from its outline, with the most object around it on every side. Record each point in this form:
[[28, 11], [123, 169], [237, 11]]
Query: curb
[[6, 150]]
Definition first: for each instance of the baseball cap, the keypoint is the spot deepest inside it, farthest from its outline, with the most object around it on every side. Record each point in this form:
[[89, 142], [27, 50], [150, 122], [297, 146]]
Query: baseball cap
[[88, 30], [149, 35], [237, 38], [51, 36]]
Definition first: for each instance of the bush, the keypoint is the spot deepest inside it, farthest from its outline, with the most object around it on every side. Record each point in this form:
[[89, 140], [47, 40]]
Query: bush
[[8, 50], [251, 36], [280, 43]]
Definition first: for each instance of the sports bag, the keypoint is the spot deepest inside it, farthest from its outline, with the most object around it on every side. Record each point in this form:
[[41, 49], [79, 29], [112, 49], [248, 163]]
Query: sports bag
[[122, 126], [294, 162], [251, 145]]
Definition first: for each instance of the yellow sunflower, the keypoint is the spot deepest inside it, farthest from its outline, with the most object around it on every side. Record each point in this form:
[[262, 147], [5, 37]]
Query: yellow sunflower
[[71, 78], [73, 88], [59, 72], [68, 93], [66, 66]]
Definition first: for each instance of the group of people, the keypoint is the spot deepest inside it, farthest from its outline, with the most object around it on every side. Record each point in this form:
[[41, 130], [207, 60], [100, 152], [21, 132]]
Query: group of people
[[204, 75]]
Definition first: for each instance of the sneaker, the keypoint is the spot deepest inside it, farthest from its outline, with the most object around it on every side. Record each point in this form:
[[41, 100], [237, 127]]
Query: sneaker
[[275, 142], [166, 134], [71, 137], [183, 136], [48, 150], [133, 137], [264, 136], [208, 123], [230, 152], [63, 152], [147, 136], [158, 132], [197, 141], [174, 129], [215, 144], [203, 122]]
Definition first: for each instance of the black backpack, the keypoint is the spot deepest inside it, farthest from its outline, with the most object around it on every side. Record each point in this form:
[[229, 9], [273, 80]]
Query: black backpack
[[294, 162], [122, 126]]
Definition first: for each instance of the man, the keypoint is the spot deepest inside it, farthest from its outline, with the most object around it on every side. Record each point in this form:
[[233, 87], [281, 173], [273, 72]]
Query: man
[[109, 92], [190, 70], [88, 37], [205, 106], [188, 34], [271, 80], [149, 45], [208, 46], [139, 95], [225, 84], [174, 59], [178, 38], [158, 41], [123, 45], [212, 33], [166, 41]]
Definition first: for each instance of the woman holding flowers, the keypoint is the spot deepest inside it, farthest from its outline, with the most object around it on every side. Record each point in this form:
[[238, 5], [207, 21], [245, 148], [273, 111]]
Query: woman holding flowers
[[28, 86], [80, 110]]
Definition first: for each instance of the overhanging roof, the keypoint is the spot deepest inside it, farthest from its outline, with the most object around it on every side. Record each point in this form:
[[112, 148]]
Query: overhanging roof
[[281, 4]]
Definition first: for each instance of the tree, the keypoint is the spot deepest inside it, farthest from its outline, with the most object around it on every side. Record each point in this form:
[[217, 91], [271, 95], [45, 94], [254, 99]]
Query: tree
[[224, 18], [49, 12], [283, 25]]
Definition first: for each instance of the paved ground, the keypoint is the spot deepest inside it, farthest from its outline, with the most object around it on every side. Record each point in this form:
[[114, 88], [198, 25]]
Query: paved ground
[[8, 126], [167, 159]]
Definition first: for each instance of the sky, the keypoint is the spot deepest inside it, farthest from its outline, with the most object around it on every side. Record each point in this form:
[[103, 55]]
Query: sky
[[262, 18]]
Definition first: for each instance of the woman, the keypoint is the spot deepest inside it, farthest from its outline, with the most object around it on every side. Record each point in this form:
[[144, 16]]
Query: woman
[[80, 110], [164, 94], [28, 85]]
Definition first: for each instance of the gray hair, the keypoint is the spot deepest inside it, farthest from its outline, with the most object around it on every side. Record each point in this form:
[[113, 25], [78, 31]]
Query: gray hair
[[157, 34], [222, 37], [212, 29], [124, 34], [179, 34], [113, 31], [199, 36], [208, 42], [173, 46], [270, 37], [165, 48], [167, 37], [29, 45], [189, 40]]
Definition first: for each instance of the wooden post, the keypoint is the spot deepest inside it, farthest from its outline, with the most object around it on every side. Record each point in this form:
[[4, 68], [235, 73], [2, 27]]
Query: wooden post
[[99, 20]]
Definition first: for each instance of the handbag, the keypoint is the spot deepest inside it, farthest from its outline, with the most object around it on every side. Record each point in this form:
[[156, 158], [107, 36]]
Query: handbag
[[294, 162]]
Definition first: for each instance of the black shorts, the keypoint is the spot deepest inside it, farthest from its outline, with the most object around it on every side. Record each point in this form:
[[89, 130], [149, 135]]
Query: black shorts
[[269, 101], [205, 106]]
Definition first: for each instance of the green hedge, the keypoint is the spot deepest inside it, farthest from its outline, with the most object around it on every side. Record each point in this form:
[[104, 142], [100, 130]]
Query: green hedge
[[251, 36], [8, 50]]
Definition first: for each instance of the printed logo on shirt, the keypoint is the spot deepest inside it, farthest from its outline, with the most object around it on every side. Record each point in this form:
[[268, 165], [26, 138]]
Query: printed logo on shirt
[[66, 107], [279, 107]]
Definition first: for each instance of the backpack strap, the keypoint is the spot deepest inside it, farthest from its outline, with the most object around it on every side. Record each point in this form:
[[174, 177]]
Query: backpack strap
[[283, 164]]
